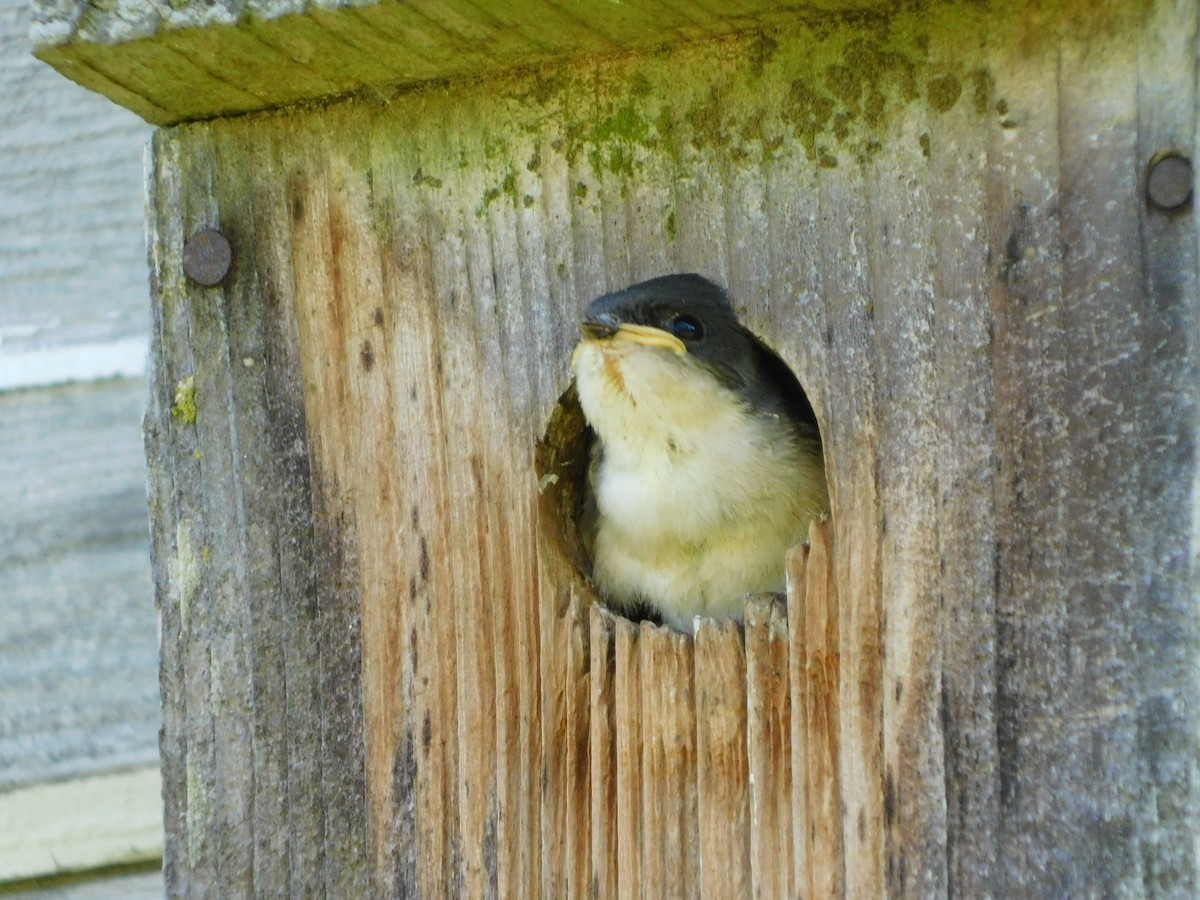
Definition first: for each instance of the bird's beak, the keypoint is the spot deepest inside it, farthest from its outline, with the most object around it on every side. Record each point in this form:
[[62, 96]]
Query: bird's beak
[[605, 327]]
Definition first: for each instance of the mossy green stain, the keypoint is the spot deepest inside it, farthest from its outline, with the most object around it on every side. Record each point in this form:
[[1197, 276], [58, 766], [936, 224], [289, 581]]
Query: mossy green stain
[[664, 127], [944, 91], [420, 179], [490, 195], [506, 188], [844, 83], [874, 109], [705, 121], [810, 111], [983, 84], [670, 226], [761, 53], [620, 160], [626, 124], [184, 407]]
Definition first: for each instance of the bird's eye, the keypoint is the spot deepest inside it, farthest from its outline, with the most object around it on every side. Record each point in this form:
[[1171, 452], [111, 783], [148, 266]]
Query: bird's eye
[[687, 328]]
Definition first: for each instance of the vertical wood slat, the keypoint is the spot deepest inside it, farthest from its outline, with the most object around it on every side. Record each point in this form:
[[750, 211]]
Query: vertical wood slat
[[902, 260], [602, 764], [722, 767], [1024, 182], [566, 786], [1103, 299], [267, 405], [768, 733], [668, 836], [1167, 121], [323, 213], [813, 674], [849, 319], [967, 483], [171, 540], [360, 400], [417, 751], [630, 821]]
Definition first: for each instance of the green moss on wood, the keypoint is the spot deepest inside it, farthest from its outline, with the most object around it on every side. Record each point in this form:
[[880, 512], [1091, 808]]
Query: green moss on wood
[[944, 91], [184, 407]]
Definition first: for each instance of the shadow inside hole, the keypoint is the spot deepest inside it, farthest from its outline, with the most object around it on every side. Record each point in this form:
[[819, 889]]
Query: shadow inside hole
[[561, 465]]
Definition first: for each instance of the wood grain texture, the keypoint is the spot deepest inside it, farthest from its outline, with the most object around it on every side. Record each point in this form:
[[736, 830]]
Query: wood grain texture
[[722, 768], [818, 844], [366, 554], [174, 62], [768, 733]]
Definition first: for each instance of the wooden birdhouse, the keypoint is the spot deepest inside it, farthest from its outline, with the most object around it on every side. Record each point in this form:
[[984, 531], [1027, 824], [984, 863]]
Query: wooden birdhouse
[[967, 227]]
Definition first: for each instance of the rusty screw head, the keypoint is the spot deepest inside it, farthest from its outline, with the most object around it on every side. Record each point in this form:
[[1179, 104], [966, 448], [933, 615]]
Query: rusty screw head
[[207, 257], [1169, 184]]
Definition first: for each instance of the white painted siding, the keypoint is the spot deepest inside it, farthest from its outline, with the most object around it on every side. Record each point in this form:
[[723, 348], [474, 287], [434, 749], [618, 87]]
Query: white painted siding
[[78, 645]]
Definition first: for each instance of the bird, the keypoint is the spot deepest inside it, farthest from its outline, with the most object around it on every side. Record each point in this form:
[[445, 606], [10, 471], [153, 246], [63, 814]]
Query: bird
[[706, 463]]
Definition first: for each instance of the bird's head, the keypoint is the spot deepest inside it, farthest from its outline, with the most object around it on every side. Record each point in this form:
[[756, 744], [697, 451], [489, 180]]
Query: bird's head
[[679, 314], [673, 346]]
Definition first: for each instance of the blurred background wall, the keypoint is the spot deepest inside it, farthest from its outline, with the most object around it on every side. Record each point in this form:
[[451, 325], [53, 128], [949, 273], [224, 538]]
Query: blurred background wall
[[79, 785]]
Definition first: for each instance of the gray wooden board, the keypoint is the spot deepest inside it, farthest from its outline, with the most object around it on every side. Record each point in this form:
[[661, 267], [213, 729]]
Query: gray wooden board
[[78, 646], [72, 250]]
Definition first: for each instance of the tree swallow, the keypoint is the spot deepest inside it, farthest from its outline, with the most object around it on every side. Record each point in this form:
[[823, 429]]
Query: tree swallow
[[707, 461]]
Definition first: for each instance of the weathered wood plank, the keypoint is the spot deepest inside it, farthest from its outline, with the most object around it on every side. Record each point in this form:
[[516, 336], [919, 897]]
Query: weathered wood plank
[[967, 581], [295, 552], [261, 432], [902, 258], [322, 214], [602, 759], [1167, 548], [173, 457], [630, 821], [173, 63], [73, 298], [1025, 247], [1102, 300], [768, 732], [851, 458], [668, 835], [818, 843], [722, 766]]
